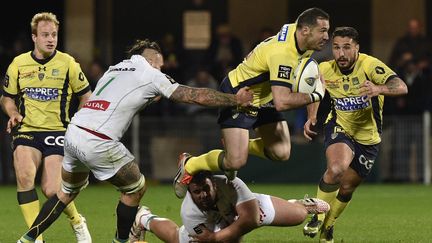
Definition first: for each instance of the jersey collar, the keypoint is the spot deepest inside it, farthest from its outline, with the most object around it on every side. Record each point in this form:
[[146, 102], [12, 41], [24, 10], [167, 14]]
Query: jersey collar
[[43, 61], [296, 43]]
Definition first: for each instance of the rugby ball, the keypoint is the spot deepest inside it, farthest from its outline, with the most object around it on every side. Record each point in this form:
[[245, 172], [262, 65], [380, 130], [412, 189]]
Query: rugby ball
[[306, 76]]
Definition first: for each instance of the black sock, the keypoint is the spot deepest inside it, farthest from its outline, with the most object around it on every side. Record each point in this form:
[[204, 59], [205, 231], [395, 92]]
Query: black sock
[[27, 196], [125, 218], [50, 211]]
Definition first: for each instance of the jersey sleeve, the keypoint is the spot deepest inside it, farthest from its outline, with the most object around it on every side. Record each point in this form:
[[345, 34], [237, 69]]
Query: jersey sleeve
[[164, 84], [78, 80], [243, 192], [281, 72], [378, 72], [10, 82]]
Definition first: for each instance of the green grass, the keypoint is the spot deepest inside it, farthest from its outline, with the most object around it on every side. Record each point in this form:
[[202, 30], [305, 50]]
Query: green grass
[[377, 213]]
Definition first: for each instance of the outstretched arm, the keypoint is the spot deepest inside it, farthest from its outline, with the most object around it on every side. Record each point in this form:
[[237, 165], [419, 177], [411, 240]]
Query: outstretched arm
[[211, 97]]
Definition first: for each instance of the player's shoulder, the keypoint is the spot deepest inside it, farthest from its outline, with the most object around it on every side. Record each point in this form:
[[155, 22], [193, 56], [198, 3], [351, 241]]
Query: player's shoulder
[[64, 56], [22, 58]]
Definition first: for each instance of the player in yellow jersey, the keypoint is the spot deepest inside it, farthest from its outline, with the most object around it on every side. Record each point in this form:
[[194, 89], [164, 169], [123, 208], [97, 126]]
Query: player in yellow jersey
[[357, 84], [36, 96], [268, 71]]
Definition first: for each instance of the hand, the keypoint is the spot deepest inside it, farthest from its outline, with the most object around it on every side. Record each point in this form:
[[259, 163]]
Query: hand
[[308, 132], [244, 97], [14, 120], [369, 89], [205, 236]]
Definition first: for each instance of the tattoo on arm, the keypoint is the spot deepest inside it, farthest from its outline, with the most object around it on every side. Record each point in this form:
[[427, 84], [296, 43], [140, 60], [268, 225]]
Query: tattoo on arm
[[396, 86], [202, 96]]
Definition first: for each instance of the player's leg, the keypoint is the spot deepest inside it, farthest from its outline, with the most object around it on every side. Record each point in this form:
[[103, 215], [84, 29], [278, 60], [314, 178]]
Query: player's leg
[[165, 229], [26, 163], [274, 142], [72, 184], [131, 183], [50, 183]]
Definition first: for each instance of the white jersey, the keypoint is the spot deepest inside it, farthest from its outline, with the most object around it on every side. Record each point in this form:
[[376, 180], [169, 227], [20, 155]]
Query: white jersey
[[121, 92], [229, 195]]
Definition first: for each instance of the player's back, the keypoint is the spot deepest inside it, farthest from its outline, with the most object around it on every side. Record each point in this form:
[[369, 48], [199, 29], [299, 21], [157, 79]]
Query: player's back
[[119, 94]]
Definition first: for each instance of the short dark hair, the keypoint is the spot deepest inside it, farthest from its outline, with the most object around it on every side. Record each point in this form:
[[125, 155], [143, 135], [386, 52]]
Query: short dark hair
[[346, 31], [141, 45], [309, 17], [201, 177]]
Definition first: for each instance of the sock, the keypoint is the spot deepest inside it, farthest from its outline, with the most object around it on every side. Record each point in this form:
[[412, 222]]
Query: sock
[[125, 218], [72, 214], [336, 208], [29, 204], [326, 192], [50, 211], [145, 220], [256, 147], [208, 161]]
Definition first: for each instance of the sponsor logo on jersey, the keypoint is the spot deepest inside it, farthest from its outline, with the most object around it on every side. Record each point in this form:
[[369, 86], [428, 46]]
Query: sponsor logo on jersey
[[6, 81], [28, 75], [42, 94], [24, 136], [52, 141], [284, 72], [55, 72], [122, 69], [379, 70], [100, 105], [283, 33], [355, 81], [351, 103]]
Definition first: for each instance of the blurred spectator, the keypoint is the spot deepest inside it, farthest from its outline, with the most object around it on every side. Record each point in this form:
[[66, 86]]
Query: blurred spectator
[[202, 79], [225, 52], [172, 56], [264, 33], [95, 71], [414, 43]]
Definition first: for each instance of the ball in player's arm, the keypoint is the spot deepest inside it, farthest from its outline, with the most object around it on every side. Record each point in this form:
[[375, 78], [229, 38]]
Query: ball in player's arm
[[357, 84], [92, 140]]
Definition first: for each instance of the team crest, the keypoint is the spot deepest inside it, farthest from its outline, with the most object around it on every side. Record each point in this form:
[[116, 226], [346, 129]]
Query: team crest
[[284, 72], [310, 81], [55, 72], [41, 76], [346, 87]]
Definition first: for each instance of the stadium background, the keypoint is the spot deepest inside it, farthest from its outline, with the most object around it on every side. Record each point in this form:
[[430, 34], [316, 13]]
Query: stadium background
[[102, 29]]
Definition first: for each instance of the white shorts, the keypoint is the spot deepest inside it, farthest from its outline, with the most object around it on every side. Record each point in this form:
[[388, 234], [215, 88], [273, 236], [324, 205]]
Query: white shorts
[[84, 151]]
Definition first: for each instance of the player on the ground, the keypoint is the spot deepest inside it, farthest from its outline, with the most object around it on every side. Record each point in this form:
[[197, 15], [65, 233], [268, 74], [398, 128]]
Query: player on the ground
[[268, 70], [37, 91], [216, 209], [92, 138], [357, 84]]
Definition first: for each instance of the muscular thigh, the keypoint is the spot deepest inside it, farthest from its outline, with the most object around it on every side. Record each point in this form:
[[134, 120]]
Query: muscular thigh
[[274, 134], [236, 142], [26, 163]]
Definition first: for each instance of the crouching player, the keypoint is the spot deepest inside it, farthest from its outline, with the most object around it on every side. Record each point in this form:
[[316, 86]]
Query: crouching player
[[216, 209]]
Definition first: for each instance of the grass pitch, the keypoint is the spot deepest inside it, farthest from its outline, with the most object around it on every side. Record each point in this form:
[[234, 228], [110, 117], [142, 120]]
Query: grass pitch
[[377, 213]]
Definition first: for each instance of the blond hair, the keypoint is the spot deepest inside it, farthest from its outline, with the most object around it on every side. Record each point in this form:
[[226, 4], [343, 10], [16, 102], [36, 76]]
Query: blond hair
[[44, 16]]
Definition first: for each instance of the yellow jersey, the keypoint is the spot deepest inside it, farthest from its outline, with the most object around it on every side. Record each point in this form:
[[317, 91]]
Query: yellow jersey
[[272, 62], [359, 117], [43, 89]]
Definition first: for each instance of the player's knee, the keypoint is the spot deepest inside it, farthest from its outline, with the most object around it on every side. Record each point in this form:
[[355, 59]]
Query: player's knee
[[335, 172], [135, 190], [278, 154], [49, 191], [73, 188], [235, 162]]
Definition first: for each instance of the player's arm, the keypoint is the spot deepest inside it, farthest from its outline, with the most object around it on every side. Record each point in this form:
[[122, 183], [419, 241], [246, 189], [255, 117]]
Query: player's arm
[[10, 108], [83, 98], [211, 97], [248, 219], [312, 110], [393, 87]]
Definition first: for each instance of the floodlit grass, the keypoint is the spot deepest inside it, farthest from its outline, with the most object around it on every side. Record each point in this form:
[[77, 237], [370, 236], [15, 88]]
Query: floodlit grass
[[377, 213]]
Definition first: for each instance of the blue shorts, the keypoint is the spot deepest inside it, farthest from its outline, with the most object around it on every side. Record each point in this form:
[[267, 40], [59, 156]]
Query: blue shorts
[[48, 143], [245, 117], [364, 155]]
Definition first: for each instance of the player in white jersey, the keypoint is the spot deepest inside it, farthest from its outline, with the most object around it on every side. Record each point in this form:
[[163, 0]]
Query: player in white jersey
[[92, 138], [216, 209]]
